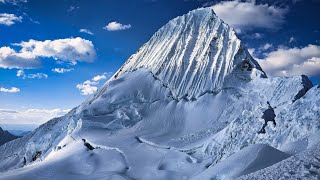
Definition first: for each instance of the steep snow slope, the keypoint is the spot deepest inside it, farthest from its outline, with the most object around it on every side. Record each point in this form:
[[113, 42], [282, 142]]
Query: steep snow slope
[[192, 54], [186, 101]]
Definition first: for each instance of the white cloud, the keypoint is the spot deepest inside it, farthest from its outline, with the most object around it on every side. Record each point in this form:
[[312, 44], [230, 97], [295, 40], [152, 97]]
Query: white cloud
[[86, 31], [9, 58], [11, 90], [9, 19], [87, 87], [99, 77], [243, 15], [69, 49], [292, 61], [292, 39], [21, 73], [115, 26], [38, 76], [90, 86], [266, 46], [30, 116], [61, 70]]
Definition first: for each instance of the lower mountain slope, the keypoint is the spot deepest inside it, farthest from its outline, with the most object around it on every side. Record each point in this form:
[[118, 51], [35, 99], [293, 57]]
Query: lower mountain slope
[[138, 130]]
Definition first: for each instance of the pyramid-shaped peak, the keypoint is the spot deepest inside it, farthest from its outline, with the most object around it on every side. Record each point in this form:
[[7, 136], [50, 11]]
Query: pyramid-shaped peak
[[192, 54]]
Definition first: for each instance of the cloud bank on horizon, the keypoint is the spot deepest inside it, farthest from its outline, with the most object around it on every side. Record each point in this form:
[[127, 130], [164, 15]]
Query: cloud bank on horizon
[[25, 116]]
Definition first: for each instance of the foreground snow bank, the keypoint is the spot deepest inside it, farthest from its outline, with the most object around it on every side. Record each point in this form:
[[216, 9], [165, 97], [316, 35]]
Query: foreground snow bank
[[247, 160]]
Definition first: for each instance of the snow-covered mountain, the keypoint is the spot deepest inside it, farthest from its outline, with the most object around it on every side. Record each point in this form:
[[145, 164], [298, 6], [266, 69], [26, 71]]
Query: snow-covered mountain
[[190, 104]]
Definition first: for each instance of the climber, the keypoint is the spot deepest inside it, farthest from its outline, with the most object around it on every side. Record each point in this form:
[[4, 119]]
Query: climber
[[268, 115], [24, 161]]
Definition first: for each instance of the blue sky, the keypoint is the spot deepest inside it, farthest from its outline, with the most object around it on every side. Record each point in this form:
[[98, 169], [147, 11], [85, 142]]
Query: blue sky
[[54, 54]]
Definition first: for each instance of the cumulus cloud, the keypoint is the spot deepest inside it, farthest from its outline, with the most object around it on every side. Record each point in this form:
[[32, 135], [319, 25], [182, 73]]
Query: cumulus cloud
[[61, 70], [242, 15], [9, 19], [30, 116], [21, 73], [99, 77], [9, 58], [292, 61], [69, 49], [115, 26], [10, 90], [86, 31], [90, 86]]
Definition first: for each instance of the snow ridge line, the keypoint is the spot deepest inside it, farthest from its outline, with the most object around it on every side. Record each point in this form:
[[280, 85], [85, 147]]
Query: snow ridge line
[[187, 151], [99, 146]]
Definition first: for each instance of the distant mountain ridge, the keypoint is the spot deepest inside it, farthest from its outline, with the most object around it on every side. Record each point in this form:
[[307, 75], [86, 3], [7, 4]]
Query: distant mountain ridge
[[6, 136], [19, 132]]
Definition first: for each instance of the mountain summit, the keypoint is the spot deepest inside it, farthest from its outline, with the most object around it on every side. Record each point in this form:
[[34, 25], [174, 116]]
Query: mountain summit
[[190, 104], [193, 54]]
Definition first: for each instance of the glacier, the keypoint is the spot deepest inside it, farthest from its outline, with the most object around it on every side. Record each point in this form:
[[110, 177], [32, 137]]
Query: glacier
[[188, 105]]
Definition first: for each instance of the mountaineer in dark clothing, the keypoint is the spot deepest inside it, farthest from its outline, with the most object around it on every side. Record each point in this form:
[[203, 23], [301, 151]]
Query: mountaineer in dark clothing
[[268, 115]]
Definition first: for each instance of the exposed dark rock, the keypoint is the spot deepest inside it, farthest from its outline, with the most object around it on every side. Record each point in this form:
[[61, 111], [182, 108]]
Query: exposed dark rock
[[88, 145], [36, 155], [307, 84], [5, 136]]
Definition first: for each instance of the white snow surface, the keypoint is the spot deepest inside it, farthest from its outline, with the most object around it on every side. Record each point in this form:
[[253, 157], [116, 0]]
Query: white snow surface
[[187, 105], [192, 54]]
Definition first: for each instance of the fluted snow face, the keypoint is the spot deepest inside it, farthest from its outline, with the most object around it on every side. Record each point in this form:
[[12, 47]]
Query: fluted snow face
[[192, 53]]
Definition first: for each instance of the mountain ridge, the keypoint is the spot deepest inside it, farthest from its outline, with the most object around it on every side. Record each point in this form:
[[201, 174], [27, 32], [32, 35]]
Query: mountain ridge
[[194, 45], [6, 136]]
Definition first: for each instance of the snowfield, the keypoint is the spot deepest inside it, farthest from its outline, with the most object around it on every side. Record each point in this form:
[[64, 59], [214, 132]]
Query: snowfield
[[189, 104]]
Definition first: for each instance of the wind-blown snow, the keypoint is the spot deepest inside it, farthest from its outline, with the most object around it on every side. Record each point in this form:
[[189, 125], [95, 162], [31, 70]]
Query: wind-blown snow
[[187, 105]]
